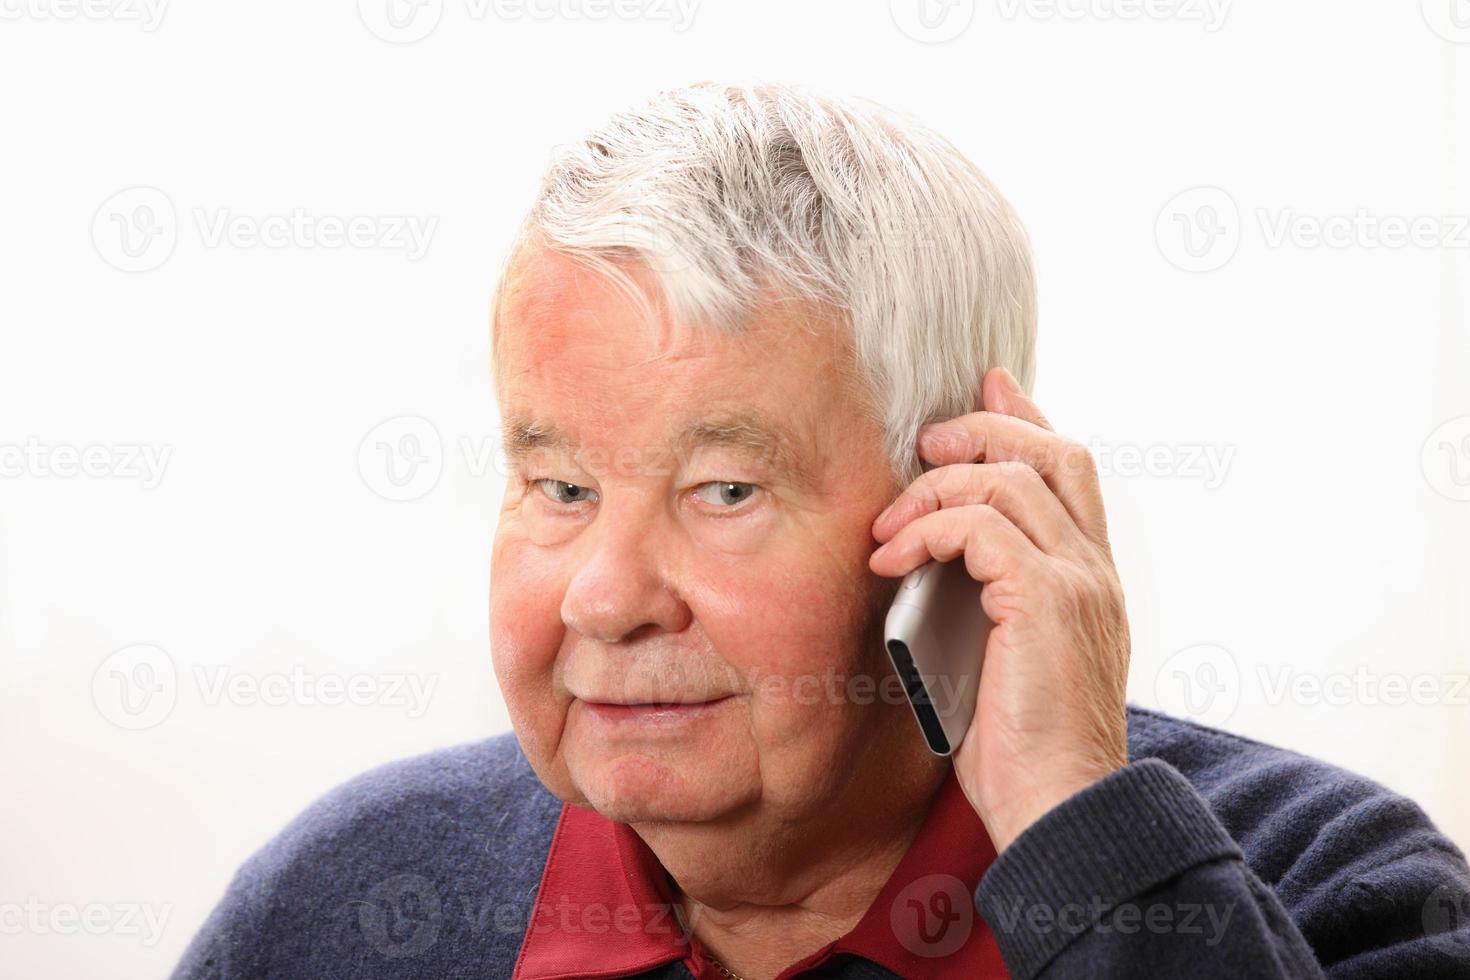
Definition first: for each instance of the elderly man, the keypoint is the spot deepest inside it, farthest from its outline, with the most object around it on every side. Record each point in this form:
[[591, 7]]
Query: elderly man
[[738, 323]]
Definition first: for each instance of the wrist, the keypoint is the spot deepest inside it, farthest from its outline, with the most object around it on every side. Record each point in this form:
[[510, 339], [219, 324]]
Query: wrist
[[1006, 822]]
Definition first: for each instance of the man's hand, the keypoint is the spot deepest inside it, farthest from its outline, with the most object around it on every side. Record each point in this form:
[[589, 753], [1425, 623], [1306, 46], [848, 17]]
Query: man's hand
[[1023, 505]]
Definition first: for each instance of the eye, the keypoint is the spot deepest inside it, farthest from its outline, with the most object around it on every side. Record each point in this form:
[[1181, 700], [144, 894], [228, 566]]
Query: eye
[[727, 495], [562, 492]]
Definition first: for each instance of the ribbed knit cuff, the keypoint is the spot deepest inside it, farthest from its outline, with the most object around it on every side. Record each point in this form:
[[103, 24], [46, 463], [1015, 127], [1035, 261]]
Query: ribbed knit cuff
[[1123, 835]]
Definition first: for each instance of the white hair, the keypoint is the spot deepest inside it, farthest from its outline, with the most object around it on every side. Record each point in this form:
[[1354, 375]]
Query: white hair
[[723, 191]]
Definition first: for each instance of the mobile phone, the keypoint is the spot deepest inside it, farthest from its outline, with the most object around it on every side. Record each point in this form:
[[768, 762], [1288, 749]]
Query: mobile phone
[[936, 633]]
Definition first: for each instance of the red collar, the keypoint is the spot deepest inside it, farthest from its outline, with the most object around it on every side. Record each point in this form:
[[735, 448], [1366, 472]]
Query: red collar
[[603, 908]]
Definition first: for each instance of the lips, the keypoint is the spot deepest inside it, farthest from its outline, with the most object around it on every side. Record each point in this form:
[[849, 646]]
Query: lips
[[662, 712], [676, 703]]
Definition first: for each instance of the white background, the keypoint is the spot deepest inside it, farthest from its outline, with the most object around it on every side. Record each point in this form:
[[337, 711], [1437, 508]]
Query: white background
[[1328, 540]]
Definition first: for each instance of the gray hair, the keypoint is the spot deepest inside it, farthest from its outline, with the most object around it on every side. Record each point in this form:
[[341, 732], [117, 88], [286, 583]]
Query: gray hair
[[724, 191]]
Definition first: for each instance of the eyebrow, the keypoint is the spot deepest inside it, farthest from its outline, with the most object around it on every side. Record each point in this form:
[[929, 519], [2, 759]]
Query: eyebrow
[[748, 432]]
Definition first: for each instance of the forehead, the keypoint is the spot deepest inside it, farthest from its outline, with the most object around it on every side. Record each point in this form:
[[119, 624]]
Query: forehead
[[576, 356]]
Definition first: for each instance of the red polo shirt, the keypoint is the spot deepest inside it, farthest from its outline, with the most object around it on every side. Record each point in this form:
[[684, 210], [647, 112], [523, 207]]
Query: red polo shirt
[[604, 908]]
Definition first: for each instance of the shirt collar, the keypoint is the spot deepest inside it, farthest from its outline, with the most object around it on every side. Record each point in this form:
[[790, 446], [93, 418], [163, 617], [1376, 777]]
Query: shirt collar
[[604, 907]]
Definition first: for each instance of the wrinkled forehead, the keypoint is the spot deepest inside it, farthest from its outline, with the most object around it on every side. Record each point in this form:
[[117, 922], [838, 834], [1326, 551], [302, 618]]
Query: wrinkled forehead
[[547, 298], [555, 308], [578, 357]]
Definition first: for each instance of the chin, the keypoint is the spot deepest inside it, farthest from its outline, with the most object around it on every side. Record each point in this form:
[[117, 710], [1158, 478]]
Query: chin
[[639, 787]]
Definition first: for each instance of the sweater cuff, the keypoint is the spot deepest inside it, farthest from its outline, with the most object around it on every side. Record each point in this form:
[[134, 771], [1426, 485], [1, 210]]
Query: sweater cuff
[[1128, 832]]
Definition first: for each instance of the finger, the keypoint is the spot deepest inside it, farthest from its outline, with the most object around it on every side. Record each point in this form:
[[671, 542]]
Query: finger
[[1011, 487], [992, 546], [1001, 392], [1066, 466]]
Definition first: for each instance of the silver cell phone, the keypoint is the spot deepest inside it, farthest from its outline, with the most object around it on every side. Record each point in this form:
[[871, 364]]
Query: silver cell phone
[[936, 633]]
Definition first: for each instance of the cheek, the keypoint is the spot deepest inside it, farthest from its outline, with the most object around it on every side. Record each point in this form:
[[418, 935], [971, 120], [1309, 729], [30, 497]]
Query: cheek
[[782, 621], [526, 632]]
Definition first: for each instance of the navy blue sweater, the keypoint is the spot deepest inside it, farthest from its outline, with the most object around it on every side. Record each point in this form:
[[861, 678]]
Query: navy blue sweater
[[1208, 855]]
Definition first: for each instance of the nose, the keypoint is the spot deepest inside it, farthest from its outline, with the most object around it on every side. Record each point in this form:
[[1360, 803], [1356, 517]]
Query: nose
[[618, 590]]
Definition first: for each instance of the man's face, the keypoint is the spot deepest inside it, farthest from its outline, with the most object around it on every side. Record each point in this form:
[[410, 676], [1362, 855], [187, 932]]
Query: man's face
[[656, 545]]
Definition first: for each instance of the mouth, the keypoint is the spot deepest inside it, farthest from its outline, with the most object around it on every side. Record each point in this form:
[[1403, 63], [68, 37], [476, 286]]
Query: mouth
[[655, 712]]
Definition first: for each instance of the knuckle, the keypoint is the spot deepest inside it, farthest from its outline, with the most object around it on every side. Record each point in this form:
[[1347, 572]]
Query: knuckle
[[1077, 458], [1016, 471], [954, 482], [986, 513]]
